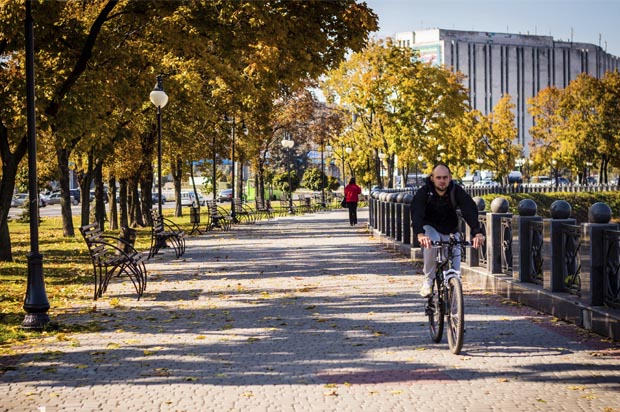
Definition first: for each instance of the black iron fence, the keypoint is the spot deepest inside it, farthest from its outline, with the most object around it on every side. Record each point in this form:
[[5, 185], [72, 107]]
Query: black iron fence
[[556, 253]]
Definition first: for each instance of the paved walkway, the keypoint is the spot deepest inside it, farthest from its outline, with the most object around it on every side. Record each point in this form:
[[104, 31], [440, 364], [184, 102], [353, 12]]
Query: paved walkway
[[303, 314]]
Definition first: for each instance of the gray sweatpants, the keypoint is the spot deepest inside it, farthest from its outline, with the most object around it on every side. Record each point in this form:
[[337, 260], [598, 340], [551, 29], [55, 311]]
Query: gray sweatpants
[[430, 255]]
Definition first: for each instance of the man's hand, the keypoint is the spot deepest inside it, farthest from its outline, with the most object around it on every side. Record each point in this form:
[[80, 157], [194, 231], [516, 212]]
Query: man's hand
[[424, 240], [478, 240]]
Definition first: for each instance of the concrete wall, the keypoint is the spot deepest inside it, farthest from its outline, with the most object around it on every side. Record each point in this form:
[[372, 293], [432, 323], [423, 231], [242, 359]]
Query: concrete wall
[[498, 63]]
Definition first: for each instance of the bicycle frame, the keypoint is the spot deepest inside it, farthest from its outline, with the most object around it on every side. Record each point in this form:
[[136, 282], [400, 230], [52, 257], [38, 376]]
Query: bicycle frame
[[446, 301]]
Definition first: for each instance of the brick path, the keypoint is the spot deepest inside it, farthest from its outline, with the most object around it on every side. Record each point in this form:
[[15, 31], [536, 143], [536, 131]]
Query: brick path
[[303, 314]]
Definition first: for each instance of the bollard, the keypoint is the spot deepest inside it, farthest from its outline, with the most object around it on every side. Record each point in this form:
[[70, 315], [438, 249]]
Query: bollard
[[499, 209], [593, 270]]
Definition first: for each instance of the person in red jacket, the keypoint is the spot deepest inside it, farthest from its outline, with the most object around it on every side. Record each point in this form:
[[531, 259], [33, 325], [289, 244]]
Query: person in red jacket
[[351, 196]]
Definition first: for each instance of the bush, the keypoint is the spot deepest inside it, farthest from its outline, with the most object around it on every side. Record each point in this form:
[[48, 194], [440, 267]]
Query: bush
[[280, 181]]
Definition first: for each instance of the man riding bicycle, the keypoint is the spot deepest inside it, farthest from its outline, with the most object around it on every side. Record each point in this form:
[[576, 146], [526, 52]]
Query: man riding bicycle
[[434, 218]]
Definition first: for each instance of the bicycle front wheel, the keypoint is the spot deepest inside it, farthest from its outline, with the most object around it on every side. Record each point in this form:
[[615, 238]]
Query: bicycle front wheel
[[456, 315], [435, 312]]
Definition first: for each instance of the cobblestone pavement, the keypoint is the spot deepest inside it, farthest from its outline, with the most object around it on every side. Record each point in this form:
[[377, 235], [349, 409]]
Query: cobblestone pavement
[[303, 314]]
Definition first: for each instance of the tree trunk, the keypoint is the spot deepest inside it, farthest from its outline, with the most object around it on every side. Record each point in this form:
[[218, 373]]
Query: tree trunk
[[146, 201], [122, 200], [85, 180], [65, 202], [146, 171], [10, 162], [99, 194], [135, 213], [177, 174], [112, 203]]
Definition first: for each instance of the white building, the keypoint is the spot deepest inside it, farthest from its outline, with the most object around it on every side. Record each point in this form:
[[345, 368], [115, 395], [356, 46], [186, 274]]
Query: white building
[[517, 64]]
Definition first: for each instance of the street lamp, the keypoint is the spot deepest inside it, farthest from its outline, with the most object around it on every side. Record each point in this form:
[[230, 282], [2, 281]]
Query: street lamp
[[288, 144], [159, 98], [244, 129], [36, 304]]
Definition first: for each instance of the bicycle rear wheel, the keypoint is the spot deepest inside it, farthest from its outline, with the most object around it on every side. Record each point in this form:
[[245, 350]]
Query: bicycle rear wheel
[[435, 312], [456, 315]]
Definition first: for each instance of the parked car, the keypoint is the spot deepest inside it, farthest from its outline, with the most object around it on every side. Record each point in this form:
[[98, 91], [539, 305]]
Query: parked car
[[105, 196], [19, 200], [225, 195], [486, 183], [54, 199], [541, 181], [155, 198], [76, 196], [43, 199]]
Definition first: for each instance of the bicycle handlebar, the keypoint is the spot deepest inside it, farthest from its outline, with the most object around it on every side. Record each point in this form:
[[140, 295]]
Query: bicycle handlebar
[[451, 242]]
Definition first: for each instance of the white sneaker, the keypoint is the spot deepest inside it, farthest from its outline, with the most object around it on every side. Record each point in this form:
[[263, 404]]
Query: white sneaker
[[427, 287]]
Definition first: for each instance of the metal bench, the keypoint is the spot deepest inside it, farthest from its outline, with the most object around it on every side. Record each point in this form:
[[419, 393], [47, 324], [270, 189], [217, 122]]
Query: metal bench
[[245, 212], [263, 207], [218, 217], [112, 256], [166, 233]]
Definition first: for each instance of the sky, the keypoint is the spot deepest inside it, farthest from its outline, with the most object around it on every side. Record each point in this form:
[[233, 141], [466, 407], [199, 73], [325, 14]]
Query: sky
[[587, 21]]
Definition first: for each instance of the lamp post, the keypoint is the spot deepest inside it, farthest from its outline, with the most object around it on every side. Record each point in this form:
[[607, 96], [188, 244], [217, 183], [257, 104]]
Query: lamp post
[[288, 144], [159, 98], [36, 304], [214, 170], [555, 170]]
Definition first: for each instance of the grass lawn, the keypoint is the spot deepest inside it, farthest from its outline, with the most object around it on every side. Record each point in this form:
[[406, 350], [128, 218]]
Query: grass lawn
[[67, 270]]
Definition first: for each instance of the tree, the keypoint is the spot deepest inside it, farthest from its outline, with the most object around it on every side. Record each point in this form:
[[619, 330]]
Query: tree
[[401, 107], [497, 147], [547, 122]]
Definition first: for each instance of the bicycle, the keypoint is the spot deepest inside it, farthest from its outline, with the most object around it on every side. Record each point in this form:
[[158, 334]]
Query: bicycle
[[446, 299]]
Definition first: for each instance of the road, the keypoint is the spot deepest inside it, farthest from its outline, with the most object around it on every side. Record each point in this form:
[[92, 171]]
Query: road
[[54, 210]]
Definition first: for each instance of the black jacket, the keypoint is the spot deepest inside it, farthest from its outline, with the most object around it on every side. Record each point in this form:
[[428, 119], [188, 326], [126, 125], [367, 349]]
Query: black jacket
[[429, 208]]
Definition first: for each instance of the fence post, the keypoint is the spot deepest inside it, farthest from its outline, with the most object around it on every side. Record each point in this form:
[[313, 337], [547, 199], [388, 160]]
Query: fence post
[[592, 269], [522, 242], [388, 215], [553, 276], [471, 254], [398, 236], [382, 212], [407, 198], [499, 209]]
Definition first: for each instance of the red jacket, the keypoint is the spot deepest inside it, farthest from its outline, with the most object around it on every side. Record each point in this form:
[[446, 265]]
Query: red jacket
[[351, 193]]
